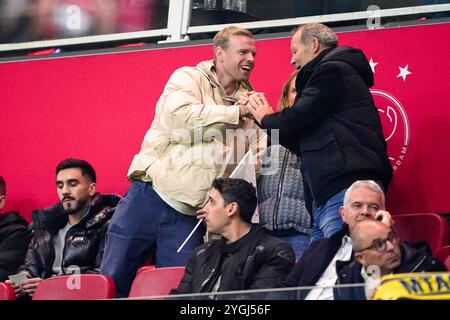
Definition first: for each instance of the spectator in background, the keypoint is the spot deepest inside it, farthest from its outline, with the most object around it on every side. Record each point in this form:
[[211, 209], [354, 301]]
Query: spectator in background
[[333, 125], [68, 237], [379, 252], [141, 15], [14, 17], [245, 257], [281, 197], [14, 237], [53, 19], [172, 174]]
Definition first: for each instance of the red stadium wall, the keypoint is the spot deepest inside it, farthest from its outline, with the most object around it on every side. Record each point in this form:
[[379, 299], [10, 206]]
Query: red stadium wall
[[98, 107]]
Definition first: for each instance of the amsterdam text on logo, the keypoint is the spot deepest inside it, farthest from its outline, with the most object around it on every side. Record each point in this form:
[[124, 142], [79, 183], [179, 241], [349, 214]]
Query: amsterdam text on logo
[[395, 126]]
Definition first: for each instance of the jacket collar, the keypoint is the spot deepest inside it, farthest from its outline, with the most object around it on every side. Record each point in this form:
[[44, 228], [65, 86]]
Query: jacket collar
[[54, 217], [413, 256], [306, 71], [233, 247], [208, 69], [332, 247], [12, 217], [314, 62]]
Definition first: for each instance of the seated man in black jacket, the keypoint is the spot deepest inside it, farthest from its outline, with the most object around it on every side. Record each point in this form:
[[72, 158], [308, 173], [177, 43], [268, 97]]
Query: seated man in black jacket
[[14, 237], [68, 237], [379, 252], [245, 257]]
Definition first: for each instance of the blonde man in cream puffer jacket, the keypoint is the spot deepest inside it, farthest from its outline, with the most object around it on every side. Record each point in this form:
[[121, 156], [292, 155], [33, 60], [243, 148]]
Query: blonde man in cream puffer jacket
[[200, 132], [193, 106]]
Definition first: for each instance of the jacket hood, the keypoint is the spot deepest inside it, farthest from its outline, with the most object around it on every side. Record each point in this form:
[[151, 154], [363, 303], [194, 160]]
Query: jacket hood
[[355, 58], [12, 217], [54, 217]]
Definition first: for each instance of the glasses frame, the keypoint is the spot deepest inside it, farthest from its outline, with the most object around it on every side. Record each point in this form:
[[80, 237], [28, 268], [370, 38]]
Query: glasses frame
[[380, 245]]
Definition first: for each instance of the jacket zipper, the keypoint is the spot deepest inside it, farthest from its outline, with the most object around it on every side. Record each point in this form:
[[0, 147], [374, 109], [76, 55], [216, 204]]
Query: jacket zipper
[[418, 264], [64, 250], [72, 228], [280, 189]]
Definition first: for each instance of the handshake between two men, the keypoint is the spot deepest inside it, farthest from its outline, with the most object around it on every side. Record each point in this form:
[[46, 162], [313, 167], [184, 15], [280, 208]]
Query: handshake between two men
[[254, 105]]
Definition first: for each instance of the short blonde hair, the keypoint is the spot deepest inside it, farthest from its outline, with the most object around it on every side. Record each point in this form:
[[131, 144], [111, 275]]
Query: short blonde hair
[[284, 99], [222, 37]]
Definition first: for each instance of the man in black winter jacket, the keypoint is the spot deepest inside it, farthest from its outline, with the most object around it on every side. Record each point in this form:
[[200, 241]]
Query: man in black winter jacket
[[333, 125], [245, 257], [379, 252], [14, 237], [69, 236]]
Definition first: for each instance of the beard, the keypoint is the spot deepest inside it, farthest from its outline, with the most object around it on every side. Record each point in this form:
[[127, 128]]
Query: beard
[[74, 206]]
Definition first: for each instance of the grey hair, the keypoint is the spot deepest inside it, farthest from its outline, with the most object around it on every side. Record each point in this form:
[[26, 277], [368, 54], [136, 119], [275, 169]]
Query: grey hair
[[368, 184], [324, 34]]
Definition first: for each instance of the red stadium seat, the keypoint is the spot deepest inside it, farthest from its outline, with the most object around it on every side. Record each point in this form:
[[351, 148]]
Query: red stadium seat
[[7, 292], [156, 281], [443, 255], [423, 226], [147, 267], [76, 287]]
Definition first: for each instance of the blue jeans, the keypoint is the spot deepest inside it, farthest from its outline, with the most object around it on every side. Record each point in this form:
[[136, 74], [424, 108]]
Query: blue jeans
[[143, 225], [299, 241], [327, 219]]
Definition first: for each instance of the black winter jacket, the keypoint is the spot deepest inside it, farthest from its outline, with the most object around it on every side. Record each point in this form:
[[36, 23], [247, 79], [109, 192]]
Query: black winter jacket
[[14, 240], [84, 244], [414, 258], [334, 125], [255, 261]]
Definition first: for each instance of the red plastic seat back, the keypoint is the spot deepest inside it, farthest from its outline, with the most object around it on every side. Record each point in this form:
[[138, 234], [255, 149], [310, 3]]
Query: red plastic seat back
[[7, 292], [156, 281], [144, 268], [430, 227], [76, 287], [443, 255]]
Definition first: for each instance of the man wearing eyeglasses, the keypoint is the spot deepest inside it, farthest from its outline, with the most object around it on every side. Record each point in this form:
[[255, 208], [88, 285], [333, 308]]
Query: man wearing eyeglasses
[[379, 252], [363, 200]]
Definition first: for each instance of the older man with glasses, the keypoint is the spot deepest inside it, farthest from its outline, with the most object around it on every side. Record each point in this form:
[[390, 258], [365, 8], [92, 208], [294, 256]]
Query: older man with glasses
[[322, 263], [378, 252]]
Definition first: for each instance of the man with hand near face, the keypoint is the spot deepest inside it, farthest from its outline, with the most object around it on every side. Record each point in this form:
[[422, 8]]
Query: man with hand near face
[[363, 200]]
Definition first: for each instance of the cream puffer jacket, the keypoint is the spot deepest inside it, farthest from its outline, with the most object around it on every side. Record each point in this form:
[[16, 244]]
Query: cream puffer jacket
[[190, 141]]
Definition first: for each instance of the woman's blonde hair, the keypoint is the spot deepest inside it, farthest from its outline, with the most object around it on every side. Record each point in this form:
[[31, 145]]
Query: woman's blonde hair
[[284, 99]]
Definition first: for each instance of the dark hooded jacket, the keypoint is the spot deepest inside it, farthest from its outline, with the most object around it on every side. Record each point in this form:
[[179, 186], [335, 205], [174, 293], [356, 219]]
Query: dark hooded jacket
[[414, 258], [84, 242], [334, 125], [255, 261], [14, 240]]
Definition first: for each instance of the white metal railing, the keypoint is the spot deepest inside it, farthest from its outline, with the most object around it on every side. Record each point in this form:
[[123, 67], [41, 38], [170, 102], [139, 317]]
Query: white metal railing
[[178, 27], [335, 17]]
